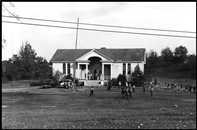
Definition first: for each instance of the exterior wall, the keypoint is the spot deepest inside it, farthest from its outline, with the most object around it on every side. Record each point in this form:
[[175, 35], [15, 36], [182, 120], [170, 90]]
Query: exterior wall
[[141, 67], [72, 69], [117, 69], [57, 66]]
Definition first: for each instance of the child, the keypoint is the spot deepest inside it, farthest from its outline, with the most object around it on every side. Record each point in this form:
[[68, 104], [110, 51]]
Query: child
[[119, 85], [91, 91], [143, 85], [134, 88], [151, 89], [127, 92], [130, 91]]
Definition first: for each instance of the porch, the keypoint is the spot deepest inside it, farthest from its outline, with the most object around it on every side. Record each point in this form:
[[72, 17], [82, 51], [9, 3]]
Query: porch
[[93, 82]]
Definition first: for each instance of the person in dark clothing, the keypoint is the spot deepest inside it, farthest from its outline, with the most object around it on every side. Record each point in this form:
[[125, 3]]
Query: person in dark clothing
[[181, 85], [168, 85], [172, 86], [119, 81], [91, 91], [143, 86], [155, 83], [194, 87], [108, 85], [123, 88]]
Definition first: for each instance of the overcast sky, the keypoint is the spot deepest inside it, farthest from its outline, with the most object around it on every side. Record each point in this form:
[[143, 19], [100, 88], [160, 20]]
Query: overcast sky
[[46, 40]]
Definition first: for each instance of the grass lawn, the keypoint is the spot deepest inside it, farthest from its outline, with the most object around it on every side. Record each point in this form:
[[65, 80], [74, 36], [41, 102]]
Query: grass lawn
[[56, 108]]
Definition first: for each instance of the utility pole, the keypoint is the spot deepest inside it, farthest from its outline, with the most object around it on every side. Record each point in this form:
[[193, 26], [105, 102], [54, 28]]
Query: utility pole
[[74, 75]]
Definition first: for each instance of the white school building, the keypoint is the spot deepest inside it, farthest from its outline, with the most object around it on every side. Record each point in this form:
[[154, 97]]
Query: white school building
[[98, 64]]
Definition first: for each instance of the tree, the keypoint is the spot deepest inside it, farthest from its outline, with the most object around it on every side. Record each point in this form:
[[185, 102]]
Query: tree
[[191, 63], [12, 69], [167, 56], [180, 55], [42, 68], [137, 75], [152, 59], [28, 59], [26, 65]]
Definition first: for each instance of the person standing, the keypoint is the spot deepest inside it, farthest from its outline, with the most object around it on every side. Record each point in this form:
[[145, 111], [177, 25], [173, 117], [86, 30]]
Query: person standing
[[127, 92], [175, 85], [91, 91], [151, 88], [129, 78], [108, 85], [119, 81], [155, 83], [168, 85], [143, 86], [130, 91], [194, 87], [133, 88]]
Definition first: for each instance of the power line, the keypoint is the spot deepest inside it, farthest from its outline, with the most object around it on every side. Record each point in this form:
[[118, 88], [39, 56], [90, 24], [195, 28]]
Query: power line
[[99, 30], [102, 25]]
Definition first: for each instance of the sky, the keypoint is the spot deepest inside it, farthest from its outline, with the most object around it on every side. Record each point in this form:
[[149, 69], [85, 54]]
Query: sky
[[46, 40]]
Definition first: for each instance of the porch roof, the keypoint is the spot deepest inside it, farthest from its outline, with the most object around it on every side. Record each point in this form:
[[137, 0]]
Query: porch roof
[[128, 54]]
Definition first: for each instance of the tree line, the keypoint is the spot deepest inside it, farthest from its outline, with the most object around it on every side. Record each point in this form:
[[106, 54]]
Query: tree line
[[179, 60], [26, 65]]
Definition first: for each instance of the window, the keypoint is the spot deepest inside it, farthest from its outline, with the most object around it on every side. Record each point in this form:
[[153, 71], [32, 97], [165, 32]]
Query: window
[[64, 68], [129, 68], [124, 68], [68, 69]]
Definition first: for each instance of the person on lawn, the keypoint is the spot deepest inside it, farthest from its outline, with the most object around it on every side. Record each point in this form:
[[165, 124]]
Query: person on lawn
[[130, 91], [127, 92], [91, 91], [151, 89], [133, 88]]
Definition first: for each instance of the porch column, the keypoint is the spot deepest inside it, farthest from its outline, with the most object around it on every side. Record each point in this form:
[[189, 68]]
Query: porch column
[[66, 68], [86, 71], [78, 70], [102, 71], [126, 68], [111, 71]]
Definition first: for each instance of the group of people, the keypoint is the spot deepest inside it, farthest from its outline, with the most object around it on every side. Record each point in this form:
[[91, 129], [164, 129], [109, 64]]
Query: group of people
[[96, 76], [188, 87], [68, 85], [125, 82]]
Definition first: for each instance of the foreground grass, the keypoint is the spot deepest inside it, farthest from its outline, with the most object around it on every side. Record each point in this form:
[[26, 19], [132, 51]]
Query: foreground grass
[[56, 108]]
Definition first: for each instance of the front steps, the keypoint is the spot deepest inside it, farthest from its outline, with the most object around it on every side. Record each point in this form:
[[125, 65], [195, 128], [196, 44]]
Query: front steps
[[93, 82]]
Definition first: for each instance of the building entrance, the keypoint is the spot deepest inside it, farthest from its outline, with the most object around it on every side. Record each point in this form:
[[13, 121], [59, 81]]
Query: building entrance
[[95, 68]]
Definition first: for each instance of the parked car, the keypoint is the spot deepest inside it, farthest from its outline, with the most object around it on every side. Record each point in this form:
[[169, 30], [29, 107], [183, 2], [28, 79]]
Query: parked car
[[47, 83], [66, 83]]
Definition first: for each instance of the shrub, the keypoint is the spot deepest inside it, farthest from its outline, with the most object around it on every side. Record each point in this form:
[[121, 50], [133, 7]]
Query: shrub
[[4, 80], [36, 83], [53, 85]]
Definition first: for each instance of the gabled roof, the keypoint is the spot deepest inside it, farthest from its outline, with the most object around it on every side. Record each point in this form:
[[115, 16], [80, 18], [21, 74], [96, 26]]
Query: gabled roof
[[129, 54]]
